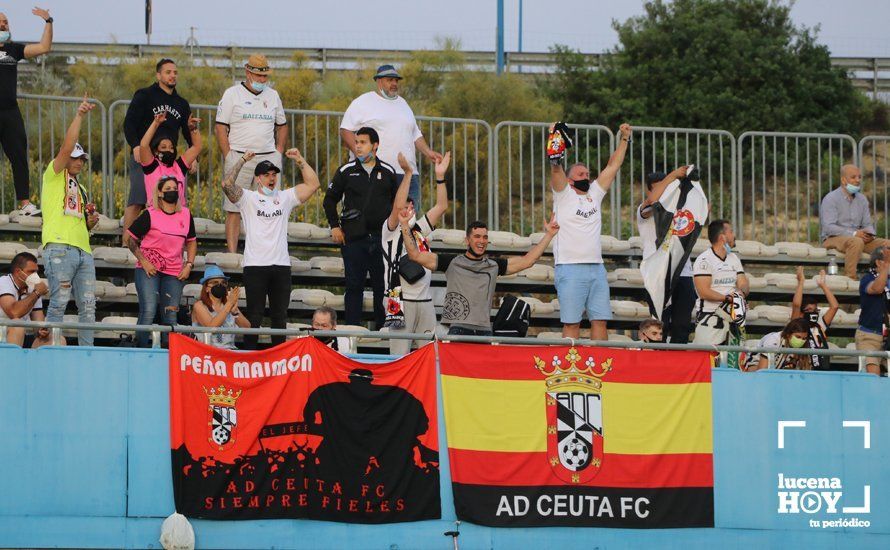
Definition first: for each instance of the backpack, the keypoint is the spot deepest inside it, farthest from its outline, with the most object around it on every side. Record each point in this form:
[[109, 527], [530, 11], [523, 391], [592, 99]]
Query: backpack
[[512, 318]]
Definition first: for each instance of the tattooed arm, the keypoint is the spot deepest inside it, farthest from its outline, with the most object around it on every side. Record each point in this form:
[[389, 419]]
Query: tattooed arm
[[232, 191]]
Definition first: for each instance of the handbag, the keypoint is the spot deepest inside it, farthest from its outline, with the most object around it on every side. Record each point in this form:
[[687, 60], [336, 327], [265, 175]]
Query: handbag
[[410, 270]]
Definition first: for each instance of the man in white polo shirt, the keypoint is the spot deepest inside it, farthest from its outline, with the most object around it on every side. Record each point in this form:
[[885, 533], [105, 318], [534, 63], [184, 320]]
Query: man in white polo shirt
[[250, 117], [389, 114], [577, 249], [21, 295], [718, 274]]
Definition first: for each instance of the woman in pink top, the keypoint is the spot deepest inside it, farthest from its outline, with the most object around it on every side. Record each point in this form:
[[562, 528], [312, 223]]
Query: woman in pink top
[[158, 157], [158, 238]]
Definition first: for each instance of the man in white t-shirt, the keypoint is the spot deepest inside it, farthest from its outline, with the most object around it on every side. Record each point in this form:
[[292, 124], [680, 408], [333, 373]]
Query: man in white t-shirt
[[718, 274], [387, 112], [577, 249], [266, 260], [250, 117], [677, 317], [21, 293], [409, 305]]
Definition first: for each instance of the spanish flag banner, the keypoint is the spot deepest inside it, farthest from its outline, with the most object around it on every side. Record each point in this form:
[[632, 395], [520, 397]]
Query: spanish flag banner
[[579, 436]]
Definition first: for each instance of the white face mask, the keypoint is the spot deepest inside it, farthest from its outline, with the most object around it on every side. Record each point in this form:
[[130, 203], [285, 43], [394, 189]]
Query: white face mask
[[32, 281]]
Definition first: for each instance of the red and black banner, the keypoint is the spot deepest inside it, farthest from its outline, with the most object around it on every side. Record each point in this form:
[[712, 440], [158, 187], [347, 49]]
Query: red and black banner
[[566, 436], [300, 431]]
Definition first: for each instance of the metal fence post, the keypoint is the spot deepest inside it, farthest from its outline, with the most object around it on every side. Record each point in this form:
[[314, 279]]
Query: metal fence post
[[775, 160]]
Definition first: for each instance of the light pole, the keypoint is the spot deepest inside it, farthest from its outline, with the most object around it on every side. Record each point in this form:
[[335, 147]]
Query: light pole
[[500, 37]]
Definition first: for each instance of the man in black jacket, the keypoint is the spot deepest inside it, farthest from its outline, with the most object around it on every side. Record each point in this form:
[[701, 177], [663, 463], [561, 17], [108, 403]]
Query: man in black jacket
[[12, 128], [367, 186], [148, 102]]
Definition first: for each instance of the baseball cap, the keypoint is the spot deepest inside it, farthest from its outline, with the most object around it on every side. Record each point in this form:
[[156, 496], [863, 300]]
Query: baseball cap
[[387, 71], [265, 167], [79, 152], [258, 64], [213, 272]]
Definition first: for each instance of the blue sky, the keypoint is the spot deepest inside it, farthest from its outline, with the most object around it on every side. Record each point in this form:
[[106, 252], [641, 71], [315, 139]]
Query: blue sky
[[849, 28]]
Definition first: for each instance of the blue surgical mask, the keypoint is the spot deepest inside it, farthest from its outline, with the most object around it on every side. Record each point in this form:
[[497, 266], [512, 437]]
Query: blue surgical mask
[[365, 158], [266, 191], [852, 189], [727, 247], [4, 36], [258, 86]]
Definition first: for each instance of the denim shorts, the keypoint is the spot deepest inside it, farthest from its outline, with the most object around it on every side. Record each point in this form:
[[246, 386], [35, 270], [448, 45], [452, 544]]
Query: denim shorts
[[580, 288]]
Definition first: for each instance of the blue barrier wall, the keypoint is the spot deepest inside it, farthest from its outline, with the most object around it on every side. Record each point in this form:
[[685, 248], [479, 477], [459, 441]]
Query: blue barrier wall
[[84, 449]]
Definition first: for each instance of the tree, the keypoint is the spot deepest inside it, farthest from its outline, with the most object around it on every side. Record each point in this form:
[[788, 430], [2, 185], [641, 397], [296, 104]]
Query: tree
[[729, 64]]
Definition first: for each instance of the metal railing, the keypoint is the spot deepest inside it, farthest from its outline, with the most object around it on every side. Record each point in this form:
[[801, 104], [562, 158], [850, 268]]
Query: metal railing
[[56, 329], [663, 149], [317, 135], [46, 120], [874, 161], [770, 184], [782, 177], [522, 173]]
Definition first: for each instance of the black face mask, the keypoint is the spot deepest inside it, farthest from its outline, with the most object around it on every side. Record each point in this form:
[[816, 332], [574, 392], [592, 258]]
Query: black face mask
[[218, 291], [166, 157], [171, 197], [813, 317], [473, 254], [581, 185]]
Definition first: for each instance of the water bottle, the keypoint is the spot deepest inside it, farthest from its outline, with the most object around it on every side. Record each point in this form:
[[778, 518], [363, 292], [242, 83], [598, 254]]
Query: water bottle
[[832, 267]]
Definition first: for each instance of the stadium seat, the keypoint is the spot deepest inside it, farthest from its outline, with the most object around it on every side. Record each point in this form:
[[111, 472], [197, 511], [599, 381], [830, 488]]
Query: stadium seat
[[626, 308], [70, 333], [539, 272], [114, 255], [549, 335], [632, 276], [555, 303], [106, 224], [192, 291], [109, 291], [752, 315], [788, 281], [615, 337], [298, 266], [312, 297], [361, 339], [839, 283], [757, 283], [502, 238], [611, 244], [299, 230], [535, 238], [297, 326], [328, 264], [204, 226], [700, 246], [537, 306], [30, 221], [748, 248], [842, 318], [9, 250], [225, 260], [131, 289], [4, 219], [448, 236], [636, 242], [367, 299]]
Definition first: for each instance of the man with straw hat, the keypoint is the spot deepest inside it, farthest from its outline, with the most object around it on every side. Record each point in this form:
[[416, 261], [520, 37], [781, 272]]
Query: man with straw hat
[[250, 117]]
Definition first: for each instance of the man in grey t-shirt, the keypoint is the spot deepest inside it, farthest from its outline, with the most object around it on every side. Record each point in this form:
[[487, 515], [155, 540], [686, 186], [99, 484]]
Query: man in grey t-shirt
[[471, 277]]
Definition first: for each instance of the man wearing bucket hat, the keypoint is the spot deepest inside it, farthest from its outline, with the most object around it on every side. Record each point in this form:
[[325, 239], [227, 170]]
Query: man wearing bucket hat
[[250, 117], [266, 257], [390, 115], [68, 218], [218, 307]]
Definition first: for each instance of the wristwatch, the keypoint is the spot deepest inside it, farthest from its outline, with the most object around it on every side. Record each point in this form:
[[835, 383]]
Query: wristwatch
[[440, 181], [50, 20]]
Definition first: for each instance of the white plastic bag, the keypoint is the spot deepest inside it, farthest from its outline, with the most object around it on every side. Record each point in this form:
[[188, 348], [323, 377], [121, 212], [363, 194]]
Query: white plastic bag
[[177, 533]]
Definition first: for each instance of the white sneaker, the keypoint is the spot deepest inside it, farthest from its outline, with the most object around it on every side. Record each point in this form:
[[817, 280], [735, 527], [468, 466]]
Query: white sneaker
[[30, 210]]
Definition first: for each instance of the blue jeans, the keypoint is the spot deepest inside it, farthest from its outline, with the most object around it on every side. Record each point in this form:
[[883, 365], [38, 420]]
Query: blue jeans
[[159, 296], [68, 267], [414, 191]]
